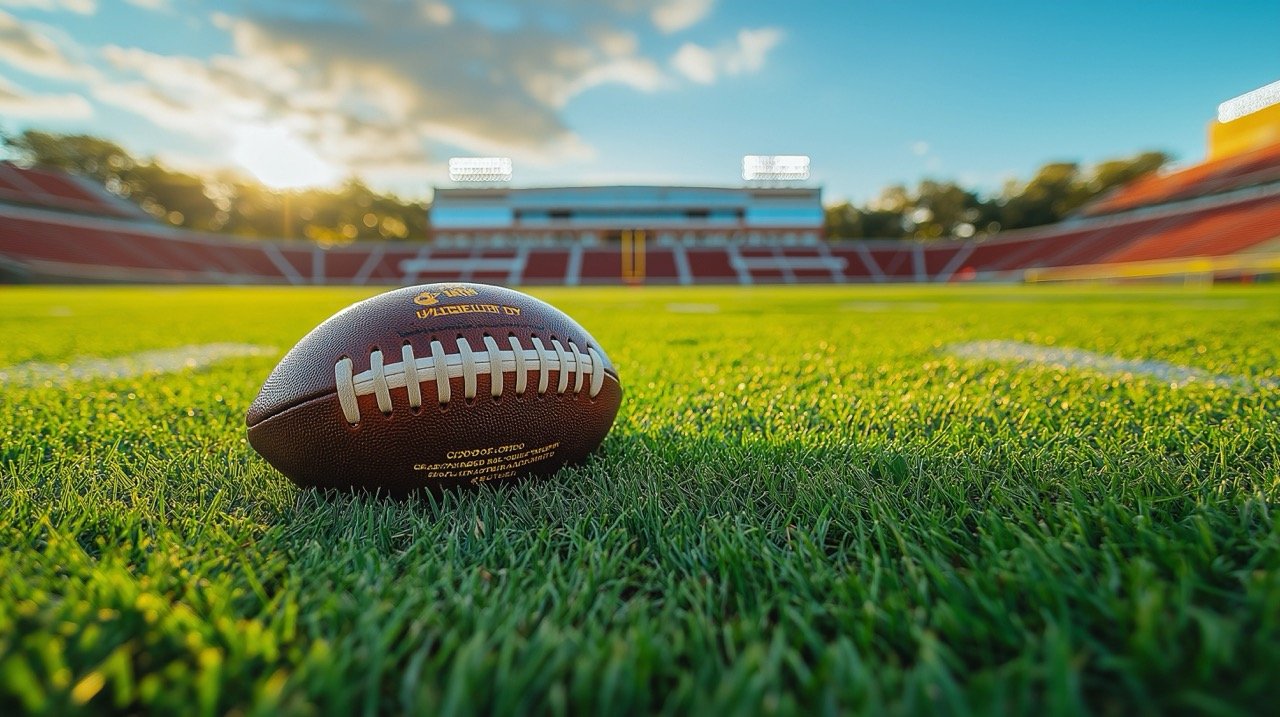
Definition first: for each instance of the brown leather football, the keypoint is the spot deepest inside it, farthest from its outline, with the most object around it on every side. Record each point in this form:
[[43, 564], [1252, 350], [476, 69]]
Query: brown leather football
[[433, 387]]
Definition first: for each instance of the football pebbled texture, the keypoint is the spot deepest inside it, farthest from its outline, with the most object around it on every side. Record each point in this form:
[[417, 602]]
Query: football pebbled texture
[[359, 403]]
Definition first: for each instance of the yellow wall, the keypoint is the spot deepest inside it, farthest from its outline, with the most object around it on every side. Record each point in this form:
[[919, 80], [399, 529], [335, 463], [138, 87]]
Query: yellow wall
[[1253, 131]]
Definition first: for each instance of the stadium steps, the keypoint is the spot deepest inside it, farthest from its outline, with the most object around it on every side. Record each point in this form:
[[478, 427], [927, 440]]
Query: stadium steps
[[858, 263]]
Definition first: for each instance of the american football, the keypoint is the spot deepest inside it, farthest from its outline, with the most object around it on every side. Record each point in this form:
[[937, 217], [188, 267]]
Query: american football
[[435, 386]]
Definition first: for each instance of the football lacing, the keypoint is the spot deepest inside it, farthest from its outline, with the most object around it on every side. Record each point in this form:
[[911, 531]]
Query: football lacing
[[412, 371]]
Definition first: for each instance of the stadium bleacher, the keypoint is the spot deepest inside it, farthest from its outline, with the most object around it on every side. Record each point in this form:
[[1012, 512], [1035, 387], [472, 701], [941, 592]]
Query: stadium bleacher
[[54, 227], [661, 266], [711, 266], [59, 190], [1088, 247], [855, 258], [1213, 232], [546, 266], [1202, 180], [896, 262]]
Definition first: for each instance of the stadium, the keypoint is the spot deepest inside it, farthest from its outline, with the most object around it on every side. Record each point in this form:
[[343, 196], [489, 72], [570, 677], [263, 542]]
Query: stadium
[[1215, 219], [544, 435]]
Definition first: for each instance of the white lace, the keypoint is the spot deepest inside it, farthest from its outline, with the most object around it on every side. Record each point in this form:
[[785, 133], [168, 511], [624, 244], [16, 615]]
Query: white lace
[[412, 371]]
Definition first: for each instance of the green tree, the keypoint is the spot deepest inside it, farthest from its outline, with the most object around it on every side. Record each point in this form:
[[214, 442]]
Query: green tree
[[940, 208], [842, 220], [944, 209], [170, 196], [1044, 199], [1113, 173], [226, 201]]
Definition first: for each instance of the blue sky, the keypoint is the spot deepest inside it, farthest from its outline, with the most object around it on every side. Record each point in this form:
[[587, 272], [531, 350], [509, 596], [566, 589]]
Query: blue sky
[[605, 91]]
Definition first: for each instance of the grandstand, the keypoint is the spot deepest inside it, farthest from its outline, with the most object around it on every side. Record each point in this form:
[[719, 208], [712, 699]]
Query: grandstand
[[61, 191], [591, 216], [55, 227]]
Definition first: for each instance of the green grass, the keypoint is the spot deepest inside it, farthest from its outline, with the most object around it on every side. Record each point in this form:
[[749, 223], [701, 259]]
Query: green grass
[[806, 506]]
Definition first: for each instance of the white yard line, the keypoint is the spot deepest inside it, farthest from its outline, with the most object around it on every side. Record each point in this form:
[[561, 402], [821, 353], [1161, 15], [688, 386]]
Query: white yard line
[[1068, 358], [182, 358]]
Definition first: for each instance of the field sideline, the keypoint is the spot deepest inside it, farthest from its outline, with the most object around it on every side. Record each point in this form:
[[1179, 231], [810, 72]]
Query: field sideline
[[815, 500]]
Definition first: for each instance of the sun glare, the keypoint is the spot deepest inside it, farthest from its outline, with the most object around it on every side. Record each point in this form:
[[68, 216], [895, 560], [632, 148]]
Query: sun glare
[[279, 159]]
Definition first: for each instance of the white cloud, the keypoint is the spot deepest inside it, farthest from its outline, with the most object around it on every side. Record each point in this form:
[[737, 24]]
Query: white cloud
[[161, 110], [696, 62], [18, 102], [745, 55], [752, 47], [615, 43], [920, 148], [505, 88], [378, 87], [25, 48], [437, 13], [344, 88], [82, 7], [675, 15], [637, 73]]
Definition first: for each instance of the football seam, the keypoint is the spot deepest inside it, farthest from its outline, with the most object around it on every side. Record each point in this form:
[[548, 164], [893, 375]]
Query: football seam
[[256, 418], [412, 371], [329, 394]]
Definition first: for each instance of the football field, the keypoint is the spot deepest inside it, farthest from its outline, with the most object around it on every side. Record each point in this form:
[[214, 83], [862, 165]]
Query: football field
[[814, 501]]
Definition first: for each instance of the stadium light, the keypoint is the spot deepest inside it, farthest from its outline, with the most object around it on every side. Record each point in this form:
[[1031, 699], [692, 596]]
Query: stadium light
[[775, 167], [1249, 102], [480, 169]]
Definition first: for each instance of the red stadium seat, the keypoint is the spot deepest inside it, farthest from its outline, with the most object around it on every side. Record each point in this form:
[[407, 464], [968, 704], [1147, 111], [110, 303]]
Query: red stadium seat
[[546, 266], [57, 190], [1214, 233], [1250, 169], [711, 266], [855, 265]]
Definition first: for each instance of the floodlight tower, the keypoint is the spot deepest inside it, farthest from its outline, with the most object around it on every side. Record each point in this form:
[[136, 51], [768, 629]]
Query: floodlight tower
[[485, 170], [1245, 123], [775, 206], [768, 168], [1249, 102], [481, 179]]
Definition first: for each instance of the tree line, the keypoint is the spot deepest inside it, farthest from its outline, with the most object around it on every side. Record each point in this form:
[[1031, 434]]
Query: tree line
[[228, 202], [938, 208]]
